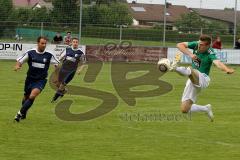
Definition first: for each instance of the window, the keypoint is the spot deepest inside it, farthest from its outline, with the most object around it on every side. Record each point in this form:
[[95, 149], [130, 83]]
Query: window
[[168, 14], [138, 9]]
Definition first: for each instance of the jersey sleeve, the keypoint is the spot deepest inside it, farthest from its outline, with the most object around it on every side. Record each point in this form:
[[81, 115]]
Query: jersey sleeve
[[63, 54], [192, 45], [23, 58]]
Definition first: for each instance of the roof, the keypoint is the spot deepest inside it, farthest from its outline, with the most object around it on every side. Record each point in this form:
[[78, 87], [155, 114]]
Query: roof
[[24, 3], [155, 12], [223, 15], [43, 4], [31, 3]]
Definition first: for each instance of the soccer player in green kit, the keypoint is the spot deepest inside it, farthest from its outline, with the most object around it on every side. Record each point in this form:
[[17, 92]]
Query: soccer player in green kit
[[202, 58]]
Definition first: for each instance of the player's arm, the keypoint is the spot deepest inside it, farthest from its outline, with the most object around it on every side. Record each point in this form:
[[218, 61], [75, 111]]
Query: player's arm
[[81, 67], [23, 58], [62, 55], [55, 61], [17, 66], [183, 47], [223, 67]]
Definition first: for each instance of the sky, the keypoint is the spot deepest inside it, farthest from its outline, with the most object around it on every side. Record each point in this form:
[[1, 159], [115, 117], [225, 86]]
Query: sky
[[211, 4]]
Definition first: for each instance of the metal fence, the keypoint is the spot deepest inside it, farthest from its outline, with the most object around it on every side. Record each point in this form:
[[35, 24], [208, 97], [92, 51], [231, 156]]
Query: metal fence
[[101, 34], [25, 23]]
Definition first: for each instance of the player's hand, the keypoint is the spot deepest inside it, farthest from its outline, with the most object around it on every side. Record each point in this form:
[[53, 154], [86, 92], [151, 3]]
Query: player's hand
[[230, 71], [81, 68], [194, 57], [17, 67]]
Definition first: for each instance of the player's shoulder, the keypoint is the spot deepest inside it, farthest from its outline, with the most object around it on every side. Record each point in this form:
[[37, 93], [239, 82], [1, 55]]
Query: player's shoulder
[[49, 53], [80, 50], [192, 44], [211, 51], [32, 50]]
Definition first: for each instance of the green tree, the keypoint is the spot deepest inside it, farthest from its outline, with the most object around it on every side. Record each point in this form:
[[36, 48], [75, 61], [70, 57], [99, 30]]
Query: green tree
[[114, 14], [21, 15], [190, 22], [65, 11], [5, 8], [109, 2], [40, 15], [120, 14], [215, 28]]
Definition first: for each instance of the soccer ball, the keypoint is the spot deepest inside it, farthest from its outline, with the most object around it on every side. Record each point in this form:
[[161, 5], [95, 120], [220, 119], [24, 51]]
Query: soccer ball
[[163, 64]]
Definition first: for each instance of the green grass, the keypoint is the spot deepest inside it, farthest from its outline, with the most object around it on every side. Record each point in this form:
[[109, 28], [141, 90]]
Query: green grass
[[103, 41], [43, 136]]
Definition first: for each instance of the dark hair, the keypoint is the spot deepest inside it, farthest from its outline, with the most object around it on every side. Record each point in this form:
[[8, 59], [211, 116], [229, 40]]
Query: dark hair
[[68, 32], [41, 37], [205, 38], [75, 38]]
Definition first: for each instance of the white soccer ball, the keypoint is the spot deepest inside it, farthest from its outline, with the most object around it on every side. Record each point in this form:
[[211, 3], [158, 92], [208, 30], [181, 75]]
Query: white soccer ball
[[163, 64]]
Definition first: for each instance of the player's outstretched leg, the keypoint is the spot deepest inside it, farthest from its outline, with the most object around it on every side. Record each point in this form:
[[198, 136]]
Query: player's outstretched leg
[[188, 107], [184, 71], [60, 92], [56, 96], [176, 61]]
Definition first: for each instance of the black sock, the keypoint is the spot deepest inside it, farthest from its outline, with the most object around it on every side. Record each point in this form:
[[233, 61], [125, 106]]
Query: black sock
[[57, 94], [23, 101], [25, 107]]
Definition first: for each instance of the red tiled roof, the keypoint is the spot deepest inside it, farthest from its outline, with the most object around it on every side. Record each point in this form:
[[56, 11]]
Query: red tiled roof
[[25, 3], [223, 15]]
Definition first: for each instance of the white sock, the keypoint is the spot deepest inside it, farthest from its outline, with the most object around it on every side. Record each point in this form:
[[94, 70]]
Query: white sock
[[198, 108], [184, 71]]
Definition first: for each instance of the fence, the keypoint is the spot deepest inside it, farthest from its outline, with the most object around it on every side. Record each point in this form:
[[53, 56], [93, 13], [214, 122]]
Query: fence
[[101, 34], [101, 21]]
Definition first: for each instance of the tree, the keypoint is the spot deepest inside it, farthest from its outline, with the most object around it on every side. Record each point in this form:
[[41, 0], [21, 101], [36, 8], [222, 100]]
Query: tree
[[228, 9], [216, 28], [65, 11], [5, 8], [190, 22], [109, 2], [40, 15], [22, 15], [193, 23], [114, 14], [120, 14]]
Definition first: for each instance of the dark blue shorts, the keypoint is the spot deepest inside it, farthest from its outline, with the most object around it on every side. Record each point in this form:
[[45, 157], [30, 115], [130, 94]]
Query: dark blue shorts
[[65, 76], [30, 84]]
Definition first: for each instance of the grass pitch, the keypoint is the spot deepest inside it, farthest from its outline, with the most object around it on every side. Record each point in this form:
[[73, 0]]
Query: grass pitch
[[44, 136]]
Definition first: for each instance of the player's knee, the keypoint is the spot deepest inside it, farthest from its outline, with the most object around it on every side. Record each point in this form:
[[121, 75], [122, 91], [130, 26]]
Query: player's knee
[[32, 97], [184, 109]]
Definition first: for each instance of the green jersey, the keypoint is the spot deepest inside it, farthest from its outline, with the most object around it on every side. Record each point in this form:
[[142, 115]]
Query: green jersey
[[205, 59]]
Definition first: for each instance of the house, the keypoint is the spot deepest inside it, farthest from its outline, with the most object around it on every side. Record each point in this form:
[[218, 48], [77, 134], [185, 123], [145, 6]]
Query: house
[[32, 4], [150, 14], [226, 17]]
